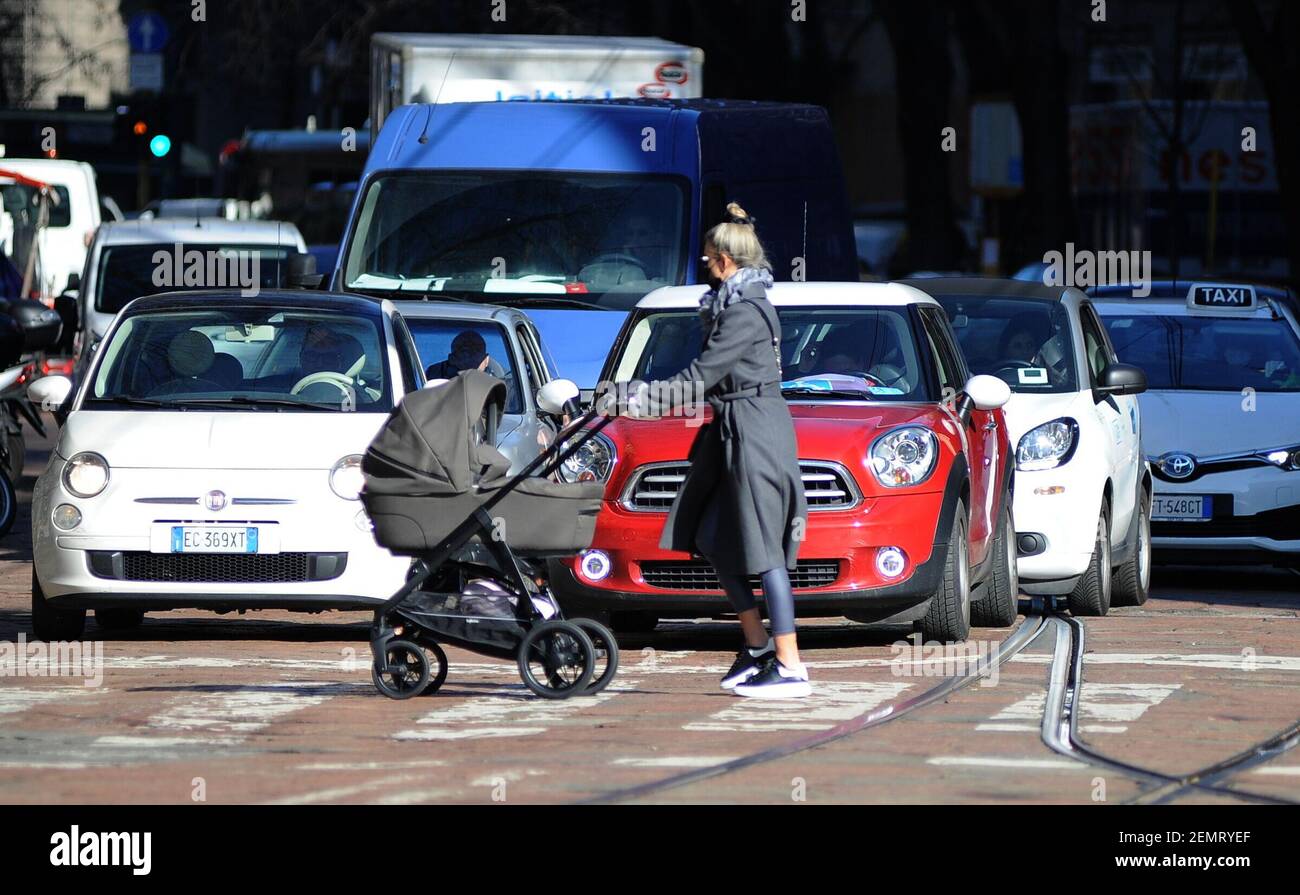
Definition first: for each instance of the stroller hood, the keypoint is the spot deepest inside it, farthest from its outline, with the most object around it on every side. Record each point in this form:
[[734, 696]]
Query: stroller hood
[[435, 440]]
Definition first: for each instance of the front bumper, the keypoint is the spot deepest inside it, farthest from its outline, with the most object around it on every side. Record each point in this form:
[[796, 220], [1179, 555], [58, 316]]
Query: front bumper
[[848, 538], [1256, 514], [324, 559], [1067, 522]]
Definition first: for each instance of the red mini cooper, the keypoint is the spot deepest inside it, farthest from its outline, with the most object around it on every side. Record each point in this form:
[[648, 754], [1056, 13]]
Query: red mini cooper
[[905, 458]]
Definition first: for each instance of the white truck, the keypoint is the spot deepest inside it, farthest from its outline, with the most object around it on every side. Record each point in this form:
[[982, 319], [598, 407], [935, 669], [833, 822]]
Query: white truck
[[451, 68], [73, 219]]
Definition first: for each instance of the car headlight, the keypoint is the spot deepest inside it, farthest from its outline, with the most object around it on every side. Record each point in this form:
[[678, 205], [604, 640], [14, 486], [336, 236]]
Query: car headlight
[[86, 474], [593, 462], [1047, 446], [904, 456], [346, 479]]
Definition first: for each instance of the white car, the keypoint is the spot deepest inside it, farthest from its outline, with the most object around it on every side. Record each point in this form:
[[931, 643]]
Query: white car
[[1082, 488], [124, 262], [1222, 416], [212, 459]]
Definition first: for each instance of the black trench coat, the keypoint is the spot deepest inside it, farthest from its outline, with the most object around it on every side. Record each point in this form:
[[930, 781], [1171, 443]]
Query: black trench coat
[[742, 505]]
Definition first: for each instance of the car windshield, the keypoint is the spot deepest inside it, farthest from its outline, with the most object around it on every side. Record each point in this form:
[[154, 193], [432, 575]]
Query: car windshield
[[1025, 342], [578, 236], [1224, 354], [826, 352], [127, 272], [448, 346], [240, 358]]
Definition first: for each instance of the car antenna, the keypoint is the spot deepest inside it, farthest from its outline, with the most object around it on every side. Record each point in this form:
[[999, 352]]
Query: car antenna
[[424, 134]]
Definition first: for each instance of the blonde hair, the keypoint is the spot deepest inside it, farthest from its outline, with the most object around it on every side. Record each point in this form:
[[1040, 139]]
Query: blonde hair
[[736, 237]]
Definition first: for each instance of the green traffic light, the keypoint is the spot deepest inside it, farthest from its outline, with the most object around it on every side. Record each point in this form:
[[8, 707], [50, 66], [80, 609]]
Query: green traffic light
[[160, 145]]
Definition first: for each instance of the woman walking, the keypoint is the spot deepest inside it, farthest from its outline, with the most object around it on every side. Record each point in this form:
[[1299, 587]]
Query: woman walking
[[742, 505]]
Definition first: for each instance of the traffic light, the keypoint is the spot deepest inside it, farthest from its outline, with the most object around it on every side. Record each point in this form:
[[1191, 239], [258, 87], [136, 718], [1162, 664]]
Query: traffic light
[[160, 145]]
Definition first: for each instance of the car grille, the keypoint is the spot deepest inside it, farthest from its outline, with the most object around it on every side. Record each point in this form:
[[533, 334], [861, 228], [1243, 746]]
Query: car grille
[[699, 575], [233, 568], [826, 486]]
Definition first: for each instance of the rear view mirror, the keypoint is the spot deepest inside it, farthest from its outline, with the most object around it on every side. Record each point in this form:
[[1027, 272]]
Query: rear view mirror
[[49, 392], [552, 397], [1122, 379], [300, 271]]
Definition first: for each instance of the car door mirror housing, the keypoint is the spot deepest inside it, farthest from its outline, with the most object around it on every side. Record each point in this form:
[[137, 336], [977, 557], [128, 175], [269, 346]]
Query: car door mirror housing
[[1121, 379], [982, 392], [552, 397]]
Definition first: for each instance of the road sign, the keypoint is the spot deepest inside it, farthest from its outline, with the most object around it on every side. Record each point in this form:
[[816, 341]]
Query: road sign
[[147, 32], [147, 71]]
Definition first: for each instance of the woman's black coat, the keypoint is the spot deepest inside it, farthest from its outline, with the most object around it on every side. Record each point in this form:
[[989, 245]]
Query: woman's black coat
[[742, 505]]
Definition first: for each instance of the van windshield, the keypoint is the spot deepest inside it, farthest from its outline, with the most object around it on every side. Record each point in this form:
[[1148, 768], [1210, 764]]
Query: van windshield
[[579, 236]]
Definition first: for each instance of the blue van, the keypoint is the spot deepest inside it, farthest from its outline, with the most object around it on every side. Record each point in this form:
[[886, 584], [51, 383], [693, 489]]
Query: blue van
[[573, 211]]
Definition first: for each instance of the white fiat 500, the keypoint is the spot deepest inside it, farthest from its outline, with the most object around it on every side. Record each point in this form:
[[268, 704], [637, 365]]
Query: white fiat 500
[[211, 459], [1082, 489], [1222, 416]]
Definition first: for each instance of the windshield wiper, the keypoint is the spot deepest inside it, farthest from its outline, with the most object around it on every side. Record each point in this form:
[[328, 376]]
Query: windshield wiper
[[139, 402], [248, 401], [828, 392]]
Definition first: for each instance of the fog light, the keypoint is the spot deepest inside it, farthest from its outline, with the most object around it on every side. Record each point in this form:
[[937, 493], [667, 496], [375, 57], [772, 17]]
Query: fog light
[[595, 565], [362, 521], [66, 517], [891, 561]]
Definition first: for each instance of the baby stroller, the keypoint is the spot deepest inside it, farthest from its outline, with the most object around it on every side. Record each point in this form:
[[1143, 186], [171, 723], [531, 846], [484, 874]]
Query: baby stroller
[[437, 489]]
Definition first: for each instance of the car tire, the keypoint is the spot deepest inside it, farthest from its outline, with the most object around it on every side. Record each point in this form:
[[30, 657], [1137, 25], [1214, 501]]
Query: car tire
[[999, 607], [50, 624], [1131, 583], [948, 617], [8, 503], [633, 622], [1091, 594], [119, 619]]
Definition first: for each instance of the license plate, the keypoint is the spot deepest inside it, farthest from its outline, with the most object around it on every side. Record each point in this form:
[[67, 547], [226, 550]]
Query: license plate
[[213, 539], [1182, 507]]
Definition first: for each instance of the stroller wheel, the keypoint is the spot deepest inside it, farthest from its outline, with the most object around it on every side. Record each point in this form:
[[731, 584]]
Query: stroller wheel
[[408, 671], [438, 674], [606, 654], [556, 660]]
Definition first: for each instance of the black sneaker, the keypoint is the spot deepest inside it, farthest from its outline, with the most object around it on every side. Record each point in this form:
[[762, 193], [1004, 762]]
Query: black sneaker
[[749, 662], [775, 681]]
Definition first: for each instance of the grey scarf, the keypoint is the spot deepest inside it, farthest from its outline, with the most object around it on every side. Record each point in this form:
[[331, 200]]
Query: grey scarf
[[714, 301]]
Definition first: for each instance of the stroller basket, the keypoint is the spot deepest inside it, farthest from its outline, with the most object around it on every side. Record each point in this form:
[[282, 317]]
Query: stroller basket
[[432, 466]]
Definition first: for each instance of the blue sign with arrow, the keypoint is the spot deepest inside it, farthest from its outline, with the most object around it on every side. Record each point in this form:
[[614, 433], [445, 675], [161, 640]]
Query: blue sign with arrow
[[147, 32]]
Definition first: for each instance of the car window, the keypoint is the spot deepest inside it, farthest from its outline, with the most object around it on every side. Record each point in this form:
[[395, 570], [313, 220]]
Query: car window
[[1028, 343], [127, 272], [950, 381], [448, 346], [531, 364], [233, 357], [1094, 345], [870, 351], [1208, 353]]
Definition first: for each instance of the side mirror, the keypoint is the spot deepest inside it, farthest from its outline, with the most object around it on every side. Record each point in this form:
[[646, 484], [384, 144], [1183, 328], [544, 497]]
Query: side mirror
[[982, 392], [1121, 379], [49, 392], [300, 271], [552, 397], [74, 282]]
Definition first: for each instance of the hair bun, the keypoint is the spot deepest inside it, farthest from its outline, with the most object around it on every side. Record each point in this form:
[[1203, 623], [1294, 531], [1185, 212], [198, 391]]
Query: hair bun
[[738, 215]]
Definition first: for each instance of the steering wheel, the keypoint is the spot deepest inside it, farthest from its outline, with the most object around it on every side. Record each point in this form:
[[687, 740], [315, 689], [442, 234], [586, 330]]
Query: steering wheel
[[1014, 364], [888, 374], [619, 257], [340, 381]]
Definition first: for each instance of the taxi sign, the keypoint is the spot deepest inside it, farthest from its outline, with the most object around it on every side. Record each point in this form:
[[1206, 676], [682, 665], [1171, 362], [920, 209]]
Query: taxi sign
[[1221, 298]]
